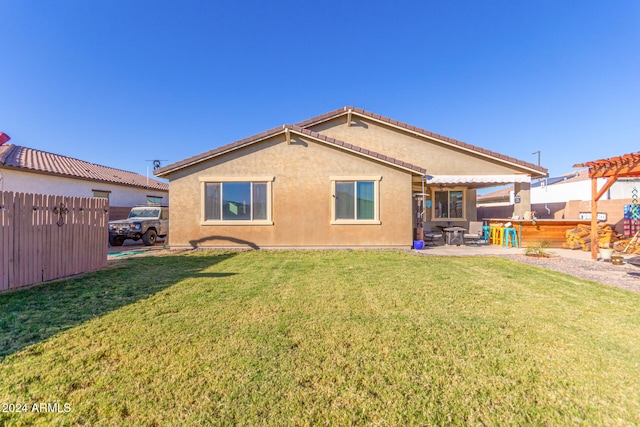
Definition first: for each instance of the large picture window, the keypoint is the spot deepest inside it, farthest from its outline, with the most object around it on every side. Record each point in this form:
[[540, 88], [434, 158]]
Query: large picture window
[[448, 204], [236, 201], [355, 201]]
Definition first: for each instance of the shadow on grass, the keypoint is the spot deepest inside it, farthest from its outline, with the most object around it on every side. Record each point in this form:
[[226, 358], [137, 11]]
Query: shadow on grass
[[196, 243], [32, 315]]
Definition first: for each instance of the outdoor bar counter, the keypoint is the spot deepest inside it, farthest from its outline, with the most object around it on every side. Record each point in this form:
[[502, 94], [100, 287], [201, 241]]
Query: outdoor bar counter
[[532, 232]]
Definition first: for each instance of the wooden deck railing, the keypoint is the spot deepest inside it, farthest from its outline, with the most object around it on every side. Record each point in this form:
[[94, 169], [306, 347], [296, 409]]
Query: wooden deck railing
[[48, 237]]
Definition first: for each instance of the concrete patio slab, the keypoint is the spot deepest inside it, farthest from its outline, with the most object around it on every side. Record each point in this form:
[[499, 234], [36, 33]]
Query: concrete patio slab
[[495, 250]]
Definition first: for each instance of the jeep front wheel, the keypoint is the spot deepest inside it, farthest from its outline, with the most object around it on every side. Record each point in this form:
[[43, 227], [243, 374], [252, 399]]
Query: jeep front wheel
[[116, 240], [149, 238]]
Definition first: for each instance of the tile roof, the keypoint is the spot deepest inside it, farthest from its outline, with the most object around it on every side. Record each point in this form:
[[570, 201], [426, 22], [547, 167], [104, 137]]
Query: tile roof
[[358, 149], [303, 128], [620, 166], [14, 156], [502, 193], [217, 151], [296, 129], [577, 176], [359, 111]]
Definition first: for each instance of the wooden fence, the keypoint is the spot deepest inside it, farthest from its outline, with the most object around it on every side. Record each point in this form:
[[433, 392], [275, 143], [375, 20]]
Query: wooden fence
[[48, 237]]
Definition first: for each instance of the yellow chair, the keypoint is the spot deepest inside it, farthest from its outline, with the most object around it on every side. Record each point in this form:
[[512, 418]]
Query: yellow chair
[[496, 232]]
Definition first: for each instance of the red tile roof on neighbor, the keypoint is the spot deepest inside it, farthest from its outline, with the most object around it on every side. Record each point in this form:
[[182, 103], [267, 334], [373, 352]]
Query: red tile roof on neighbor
[[294, 129], [407, 127], [580, 175], [502, 193], [14, 156]]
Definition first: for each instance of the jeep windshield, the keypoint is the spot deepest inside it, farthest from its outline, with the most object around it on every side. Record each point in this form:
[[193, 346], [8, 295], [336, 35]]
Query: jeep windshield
[[144, 213]]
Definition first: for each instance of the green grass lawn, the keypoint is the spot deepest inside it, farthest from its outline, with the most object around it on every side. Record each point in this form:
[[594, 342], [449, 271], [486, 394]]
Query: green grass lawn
[[310, 338]]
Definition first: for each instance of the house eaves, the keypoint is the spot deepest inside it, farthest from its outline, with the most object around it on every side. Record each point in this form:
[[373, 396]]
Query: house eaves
[[41, 162], [349, 112], [291, 130]]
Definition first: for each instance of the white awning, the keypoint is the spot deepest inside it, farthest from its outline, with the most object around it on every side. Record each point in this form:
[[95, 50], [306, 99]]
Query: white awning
[[477, 179]]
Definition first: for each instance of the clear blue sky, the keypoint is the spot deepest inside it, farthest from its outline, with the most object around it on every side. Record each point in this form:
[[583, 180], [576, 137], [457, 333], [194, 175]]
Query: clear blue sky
[[122, 82]]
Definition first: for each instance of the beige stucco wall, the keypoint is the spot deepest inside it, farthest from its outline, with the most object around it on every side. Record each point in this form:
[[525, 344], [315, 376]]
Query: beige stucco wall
[[301, 199], [523, 191], [436, 158]]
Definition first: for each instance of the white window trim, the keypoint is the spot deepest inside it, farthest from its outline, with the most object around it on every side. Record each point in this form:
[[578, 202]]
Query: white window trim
[[376, 202], [464, 204], [218, 222]]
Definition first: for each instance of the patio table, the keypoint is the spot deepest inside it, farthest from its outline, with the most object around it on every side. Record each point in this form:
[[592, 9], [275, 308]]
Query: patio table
[[454, 235]]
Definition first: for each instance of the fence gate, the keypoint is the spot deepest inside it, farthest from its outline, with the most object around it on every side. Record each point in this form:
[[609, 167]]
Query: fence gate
[[48, 237]]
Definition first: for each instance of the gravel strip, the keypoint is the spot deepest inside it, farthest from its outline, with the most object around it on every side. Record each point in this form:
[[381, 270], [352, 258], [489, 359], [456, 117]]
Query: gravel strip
[[621, 276]]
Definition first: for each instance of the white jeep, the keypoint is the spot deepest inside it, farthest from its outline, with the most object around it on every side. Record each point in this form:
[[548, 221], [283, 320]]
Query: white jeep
[[144, 222]]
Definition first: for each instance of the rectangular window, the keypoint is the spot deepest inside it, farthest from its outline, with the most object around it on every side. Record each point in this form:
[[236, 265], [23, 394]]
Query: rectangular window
[[154, 201], [212, 202], [235, 201], [345, 200], [448, 204], [364, 200], [355, 201], [259, 200], [100, 194]]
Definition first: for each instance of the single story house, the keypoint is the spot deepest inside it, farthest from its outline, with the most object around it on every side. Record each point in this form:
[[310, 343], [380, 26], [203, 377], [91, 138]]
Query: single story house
[[347, 178], [26, 170]]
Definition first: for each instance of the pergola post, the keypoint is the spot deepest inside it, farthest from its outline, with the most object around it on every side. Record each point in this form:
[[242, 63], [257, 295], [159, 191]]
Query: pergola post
[[627, 165], [594, 218], [595, 196]]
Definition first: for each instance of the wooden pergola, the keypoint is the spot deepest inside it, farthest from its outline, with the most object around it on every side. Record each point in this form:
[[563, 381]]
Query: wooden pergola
[[627, 165]]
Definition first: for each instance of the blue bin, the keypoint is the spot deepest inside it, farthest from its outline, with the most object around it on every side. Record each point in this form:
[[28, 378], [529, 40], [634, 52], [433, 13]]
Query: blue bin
[[418, 244]]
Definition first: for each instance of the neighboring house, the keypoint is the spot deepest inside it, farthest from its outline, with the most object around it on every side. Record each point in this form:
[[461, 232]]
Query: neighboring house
[[27, 170], [348, 178], [564, 197]]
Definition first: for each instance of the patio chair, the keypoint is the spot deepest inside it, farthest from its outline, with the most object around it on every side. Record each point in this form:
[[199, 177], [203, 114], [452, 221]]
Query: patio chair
[[475, 236], [430, 236]]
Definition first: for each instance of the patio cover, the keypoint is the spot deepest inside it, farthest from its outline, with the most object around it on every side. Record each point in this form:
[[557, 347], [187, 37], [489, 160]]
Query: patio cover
[[477, 179]]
